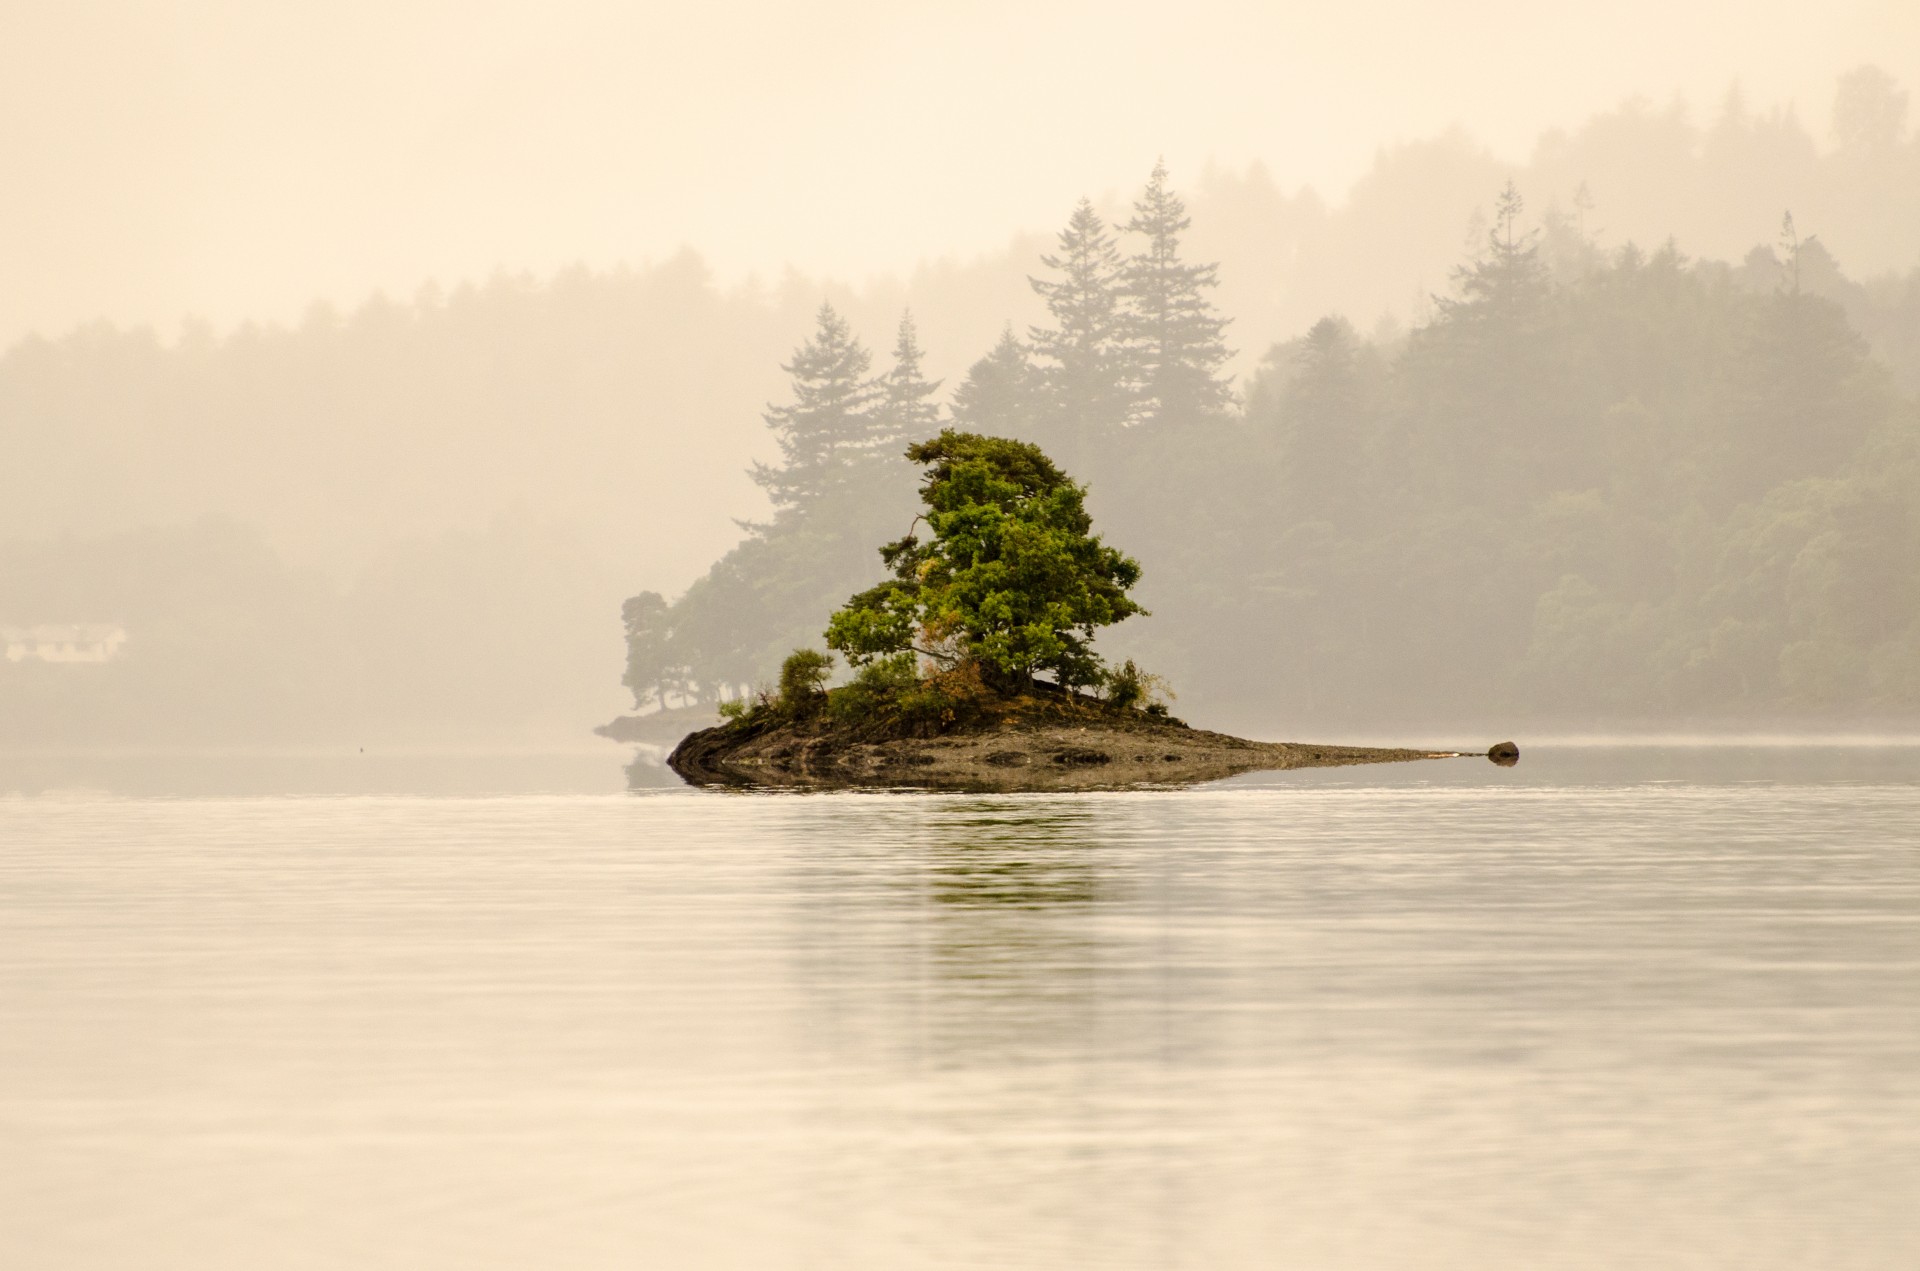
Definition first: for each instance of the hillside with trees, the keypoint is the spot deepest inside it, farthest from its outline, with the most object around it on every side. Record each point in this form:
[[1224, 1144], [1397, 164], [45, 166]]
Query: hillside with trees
[[1636, 452], [1606, 488]]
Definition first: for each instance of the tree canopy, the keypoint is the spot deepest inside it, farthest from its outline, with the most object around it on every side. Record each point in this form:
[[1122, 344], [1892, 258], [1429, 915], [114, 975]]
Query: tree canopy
[[1594, 480], [1011, 576]]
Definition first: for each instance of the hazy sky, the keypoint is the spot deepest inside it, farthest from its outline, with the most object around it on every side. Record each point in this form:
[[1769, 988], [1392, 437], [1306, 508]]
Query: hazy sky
[[233, 158]]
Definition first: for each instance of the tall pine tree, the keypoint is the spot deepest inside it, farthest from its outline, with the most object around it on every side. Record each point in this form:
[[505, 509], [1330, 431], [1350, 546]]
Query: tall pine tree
[[1507, 286], [832, 424], [907, 410], [998, 395], [1171, 331], [1496, 353], [1082, 383]]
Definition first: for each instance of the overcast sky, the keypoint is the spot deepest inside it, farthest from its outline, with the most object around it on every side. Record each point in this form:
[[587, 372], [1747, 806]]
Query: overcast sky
[[233, 158]]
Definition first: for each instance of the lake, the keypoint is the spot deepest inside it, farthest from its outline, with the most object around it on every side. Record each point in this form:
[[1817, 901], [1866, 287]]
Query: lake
[[1618, 1006]]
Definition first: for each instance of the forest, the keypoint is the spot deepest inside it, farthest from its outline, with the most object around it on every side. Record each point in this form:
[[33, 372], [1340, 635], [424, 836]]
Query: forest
[[1599, 486], [1621, 435]]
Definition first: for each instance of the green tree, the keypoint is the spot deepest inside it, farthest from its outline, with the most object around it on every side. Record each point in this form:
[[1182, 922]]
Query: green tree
[[1012, 579], [907, 411], [803, 683], [1171, 333], [1082, 375], [832, 424]]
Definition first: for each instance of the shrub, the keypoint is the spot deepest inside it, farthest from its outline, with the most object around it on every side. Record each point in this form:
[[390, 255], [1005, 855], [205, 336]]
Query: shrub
[[1130, 688], [943, 699], [874, 690], [803, 683]]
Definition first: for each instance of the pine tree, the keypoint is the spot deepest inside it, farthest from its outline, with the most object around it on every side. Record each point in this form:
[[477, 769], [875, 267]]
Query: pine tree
[[832, 423], [998, 395], [1172, 332], [1507, 285], [1497, 353], [1081, 380], [907, 411], [1328, 411]]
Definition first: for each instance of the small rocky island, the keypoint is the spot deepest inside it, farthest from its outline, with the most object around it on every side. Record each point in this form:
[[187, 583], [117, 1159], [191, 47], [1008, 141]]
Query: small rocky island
[[1038, 741], [973, 663]]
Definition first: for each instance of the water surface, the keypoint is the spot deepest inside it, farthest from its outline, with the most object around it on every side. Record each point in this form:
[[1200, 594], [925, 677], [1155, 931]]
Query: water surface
[[1613, 1007]]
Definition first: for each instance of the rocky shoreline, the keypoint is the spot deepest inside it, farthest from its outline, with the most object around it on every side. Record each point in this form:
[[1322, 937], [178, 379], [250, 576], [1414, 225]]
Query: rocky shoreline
[[1017, 750]]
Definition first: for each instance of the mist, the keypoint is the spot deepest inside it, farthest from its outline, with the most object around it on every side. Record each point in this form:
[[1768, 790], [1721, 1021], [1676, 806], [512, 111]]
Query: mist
[[1032, 635], [232, 162], [362, 362]]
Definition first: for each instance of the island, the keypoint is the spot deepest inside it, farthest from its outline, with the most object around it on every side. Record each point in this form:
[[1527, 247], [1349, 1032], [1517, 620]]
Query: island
[[973, 666]]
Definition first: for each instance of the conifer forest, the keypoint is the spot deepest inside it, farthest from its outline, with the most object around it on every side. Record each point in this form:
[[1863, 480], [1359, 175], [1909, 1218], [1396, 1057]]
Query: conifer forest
[[1595, 485], [1580, 479]]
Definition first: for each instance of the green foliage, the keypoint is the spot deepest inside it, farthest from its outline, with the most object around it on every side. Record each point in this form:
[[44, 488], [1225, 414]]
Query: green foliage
[[891, 695], [803, 683], [1130, 688], [1012, 577], [938, 701], [878, 622], [734, 708], [874, 689], [1591, 483]]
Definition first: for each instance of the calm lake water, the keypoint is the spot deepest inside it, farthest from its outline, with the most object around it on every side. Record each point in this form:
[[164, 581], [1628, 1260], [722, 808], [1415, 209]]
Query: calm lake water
[[1614, 1007]]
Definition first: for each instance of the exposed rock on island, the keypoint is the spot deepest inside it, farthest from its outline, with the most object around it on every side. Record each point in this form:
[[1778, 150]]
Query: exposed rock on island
[[1030, 742]]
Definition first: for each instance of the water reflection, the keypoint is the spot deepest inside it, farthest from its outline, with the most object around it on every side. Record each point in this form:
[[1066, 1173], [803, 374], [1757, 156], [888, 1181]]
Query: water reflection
[[1022, 855], [1538, 1016], [1015, 953], [649, 771]]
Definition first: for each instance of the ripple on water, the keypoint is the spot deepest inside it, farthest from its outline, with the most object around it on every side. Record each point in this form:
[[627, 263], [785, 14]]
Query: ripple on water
[[1322, 1022]]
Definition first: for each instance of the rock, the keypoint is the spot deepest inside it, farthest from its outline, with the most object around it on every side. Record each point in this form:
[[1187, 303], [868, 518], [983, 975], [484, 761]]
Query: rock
[[1026, 743]]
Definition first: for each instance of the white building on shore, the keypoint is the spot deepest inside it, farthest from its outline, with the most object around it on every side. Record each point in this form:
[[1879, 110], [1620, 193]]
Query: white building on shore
[[64, 642]]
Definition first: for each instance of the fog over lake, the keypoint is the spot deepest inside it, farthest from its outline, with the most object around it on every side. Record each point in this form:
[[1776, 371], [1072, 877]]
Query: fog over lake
[[419, 418]]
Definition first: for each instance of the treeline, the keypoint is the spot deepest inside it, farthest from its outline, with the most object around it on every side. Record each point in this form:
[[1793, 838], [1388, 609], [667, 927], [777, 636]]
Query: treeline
[[1594, 487], [443, 496], [352, 432]]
